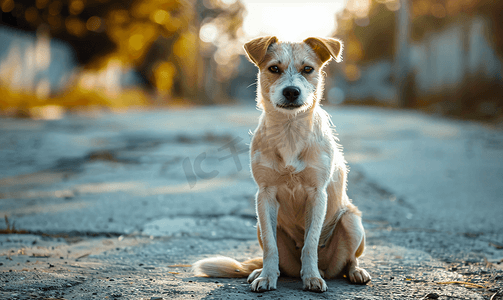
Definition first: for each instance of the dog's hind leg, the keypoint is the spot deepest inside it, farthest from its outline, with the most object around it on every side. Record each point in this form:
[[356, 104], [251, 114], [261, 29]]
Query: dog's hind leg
[[289, 255], [345, 245]]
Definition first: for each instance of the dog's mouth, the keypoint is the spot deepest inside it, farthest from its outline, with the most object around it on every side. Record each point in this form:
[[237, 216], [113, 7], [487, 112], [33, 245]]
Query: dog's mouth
[[290, 105]]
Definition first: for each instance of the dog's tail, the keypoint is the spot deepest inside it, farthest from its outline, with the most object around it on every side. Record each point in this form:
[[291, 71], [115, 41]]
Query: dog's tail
[[226, 267]]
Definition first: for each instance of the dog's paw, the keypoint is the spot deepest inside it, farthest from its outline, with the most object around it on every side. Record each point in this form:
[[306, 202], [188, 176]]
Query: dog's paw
[[359, 276], [264, 283], [315, 284], [256, 273]]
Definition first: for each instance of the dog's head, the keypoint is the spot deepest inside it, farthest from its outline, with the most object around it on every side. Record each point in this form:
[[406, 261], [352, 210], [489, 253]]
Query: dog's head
[[290, 74]]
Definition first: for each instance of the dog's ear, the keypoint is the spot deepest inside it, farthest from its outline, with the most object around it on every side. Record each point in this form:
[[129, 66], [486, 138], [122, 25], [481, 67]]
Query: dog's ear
[[326, 48], [257, 48]]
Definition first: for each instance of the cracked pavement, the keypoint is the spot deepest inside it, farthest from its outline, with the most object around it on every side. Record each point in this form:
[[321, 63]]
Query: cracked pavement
[[119, 206]]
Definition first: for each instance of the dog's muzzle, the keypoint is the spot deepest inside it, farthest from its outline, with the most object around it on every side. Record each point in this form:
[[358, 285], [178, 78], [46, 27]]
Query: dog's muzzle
[[291, 95]]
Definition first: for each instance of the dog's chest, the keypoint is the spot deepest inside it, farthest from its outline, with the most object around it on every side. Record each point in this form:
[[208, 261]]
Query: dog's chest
[[291, 177], [290, 144], [292, 185], [292, 198], [290, 157]]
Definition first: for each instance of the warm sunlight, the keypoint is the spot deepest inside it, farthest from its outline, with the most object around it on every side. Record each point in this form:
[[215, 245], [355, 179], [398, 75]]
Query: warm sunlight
[[291, 20]]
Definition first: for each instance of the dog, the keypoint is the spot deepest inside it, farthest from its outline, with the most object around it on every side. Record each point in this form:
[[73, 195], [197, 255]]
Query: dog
[[307, 226]]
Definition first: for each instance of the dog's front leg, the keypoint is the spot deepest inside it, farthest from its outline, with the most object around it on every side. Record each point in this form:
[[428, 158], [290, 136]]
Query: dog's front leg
[[267, 211], [315, 216]]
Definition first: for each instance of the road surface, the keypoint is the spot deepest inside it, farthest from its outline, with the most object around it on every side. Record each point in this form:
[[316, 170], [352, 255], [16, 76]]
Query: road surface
[[119, 206]]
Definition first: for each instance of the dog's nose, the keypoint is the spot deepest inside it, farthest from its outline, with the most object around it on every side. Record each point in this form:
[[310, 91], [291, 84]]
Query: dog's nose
[[291, 93]]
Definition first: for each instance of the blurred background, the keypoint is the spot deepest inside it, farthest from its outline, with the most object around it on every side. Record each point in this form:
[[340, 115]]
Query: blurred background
[[78, 56]]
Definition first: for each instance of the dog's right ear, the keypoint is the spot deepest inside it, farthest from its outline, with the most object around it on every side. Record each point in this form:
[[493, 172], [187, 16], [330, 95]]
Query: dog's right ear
[[257, 48], [326, 48]]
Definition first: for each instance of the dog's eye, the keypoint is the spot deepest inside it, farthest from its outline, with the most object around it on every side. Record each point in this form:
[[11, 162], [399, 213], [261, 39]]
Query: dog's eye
[[308, 70], [274, 69]]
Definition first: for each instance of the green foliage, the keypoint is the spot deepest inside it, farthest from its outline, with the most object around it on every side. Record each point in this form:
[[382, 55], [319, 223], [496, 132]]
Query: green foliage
[[377, 38]]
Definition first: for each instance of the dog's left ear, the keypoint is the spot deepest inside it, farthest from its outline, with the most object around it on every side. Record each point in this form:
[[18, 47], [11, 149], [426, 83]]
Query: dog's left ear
[[326, 48], [257, 48]]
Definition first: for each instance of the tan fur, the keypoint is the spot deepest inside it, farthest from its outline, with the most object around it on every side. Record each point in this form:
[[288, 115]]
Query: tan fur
[[307, 225], [226, 267]]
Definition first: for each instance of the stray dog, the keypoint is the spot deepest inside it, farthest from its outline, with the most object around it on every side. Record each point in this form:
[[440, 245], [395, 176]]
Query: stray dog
[[307, 225]]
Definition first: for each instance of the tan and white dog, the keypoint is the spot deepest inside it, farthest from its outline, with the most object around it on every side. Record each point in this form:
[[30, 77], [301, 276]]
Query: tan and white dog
[[307, 225]]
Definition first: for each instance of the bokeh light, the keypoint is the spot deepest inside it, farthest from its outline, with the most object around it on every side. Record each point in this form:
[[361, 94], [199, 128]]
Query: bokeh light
[[290, 20], [97, 53]]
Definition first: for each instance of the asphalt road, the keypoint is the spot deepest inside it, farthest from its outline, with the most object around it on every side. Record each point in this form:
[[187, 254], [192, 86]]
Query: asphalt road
[[119, 206]]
